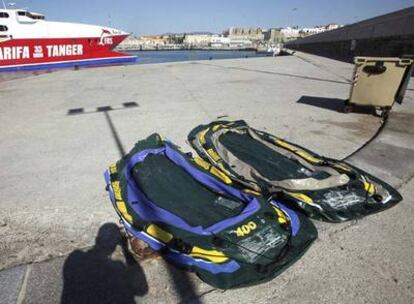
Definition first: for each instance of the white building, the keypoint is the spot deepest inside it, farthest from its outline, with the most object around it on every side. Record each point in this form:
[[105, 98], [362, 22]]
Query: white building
[[332, 26], [238, 43], [307, 31], [218, 41], [313, 30], [130, 43], [251, 33], [197, 40], [289, 32]]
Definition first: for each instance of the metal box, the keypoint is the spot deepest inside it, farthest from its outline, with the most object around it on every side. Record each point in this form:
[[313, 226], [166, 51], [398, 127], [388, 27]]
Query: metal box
[[377, 81]]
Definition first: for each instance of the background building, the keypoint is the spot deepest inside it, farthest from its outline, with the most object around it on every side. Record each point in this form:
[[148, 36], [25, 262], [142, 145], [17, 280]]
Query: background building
[[251, 33], [197, 40], [219, 41], [290, 33], [232, 38]]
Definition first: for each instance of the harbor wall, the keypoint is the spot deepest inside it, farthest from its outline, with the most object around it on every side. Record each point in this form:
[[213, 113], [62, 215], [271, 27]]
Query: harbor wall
[[390, 35]]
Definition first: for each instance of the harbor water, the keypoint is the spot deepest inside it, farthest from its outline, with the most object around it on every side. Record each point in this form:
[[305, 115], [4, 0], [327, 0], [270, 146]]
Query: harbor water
[[145, 57]]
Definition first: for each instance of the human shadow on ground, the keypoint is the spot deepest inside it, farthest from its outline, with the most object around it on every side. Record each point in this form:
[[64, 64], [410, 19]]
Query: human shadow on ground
[[334, 104], [183, 284], [93, 277], [181, 280]]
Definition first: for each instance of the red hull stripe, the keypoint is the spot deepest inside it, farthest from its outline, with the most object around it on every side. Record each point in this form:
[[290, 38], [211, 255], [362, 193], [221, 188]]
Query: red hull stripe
[[23, 52], [71, 63]]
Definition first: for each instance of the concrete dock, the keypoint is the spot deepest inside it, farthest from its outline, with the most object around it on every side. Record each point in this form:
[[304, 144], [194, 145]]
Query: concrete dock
[[61, 130]]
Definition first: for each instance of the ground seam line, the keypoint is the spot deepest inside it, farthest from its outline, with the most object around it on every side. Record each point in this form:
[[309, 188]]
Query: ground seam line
[[208, 292], [409, 179], [322, 68], [22, 292]]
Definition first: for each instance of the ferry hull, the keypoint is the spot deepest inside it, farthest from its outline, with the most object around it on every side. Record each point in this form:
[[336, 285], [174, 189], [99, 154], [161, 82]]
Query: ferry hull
[[46, 53]]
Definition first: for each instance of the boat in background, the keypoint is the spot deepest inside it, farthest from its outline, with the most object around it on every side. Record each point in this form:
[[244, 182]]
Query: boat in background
[[272, 50], [29, 42]]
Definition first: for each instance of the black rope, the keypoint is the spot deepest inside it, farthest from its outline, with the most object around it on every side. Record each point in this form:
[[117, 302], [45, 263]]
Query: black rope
[[384, 122]]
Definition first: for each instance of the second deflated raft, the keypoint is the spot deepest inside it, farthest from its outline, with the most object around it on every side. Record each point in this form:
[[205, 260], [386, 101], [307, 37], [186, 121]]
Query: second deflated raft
[[190, 212], [323, 188]]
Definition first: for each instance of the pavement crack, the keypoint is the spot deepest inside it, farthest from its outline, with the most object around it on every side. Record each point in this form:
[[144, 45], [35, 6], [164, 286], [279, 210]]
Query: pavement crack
[[196, 299], [381, 271], [22, 292], [350, 225], [210, 291], [207, 292], [323, 68], [407, 181], [277, 73], [193, 96]]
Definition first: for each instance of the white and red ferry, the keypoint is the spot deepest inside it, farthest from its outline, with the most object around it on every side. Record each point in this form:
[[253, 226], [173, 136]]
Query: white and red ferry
[[28, 42]]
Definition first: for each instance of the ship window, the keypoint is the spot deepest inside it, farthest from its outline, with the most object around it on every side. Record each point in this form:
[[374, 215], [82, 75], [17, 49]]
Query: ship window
[[21, 13], [3, 28], [37, 17], [4, 15]]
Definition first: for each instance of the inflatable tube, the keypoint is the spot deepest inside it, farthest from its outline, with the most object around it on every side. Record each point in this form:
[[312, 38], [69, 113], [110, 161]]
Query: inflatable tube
[[323, 188]]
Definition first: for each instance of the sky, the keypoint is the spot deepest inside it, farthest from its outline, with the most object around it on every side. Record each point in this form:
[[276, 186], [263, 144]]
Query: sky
[[179, 16]]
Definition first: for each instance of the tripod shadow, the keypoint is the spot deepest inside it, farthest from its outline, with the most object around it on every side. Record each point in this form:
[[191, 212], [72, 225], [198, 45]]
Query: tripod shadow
[[93, 277]]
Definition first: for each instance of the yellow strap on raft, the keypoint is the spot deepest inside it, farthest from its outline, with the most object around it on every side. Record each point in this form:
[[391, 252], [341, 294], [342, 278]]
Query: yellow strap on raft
[[250, 191], [121, 206], [119, 203], [202, 163], [210, 255], [342, 166], [164, 236], [112, 168], [213, 170], [281, 217], [298, 151], [220, 175], [213, 154], [202, 136], [159, 233], [300, 196], [216, 127], [368, 185], [117, 190]]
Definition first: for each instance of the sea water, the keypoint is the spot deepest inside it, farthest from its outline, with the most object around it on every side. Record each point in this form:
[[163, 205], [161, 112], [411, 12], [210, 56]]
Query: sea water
[[174, 56]]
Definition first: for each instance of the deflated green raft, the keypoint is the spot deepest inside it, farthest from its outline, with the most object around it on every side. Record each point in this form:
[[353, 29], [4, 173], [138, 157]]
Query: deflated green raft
[[323, 188], [193, 215]]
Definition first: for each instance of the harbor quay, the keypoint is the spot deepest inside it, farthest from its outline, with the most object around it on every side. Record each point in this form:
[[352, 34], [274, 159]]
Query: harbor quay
[[61, 130]]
